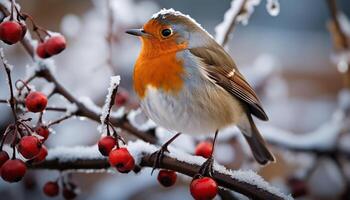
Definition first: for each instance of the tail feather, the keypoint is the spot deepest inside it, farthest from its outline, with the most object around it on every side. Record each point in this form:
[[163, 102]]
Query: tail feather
[[257, 144]]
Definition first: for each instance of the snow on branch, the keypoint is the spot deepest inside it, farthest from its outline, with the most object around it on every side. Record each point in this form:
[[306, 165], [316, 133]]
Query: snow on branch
[[245, 182], [224, 29], [112, 91]]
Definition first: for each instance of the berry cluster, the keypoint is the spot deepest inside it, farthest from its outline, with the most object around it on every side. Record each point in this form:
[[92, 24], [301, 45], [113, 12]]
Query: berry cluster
[[13, 30], [29, 141], [119, 157], [51, 46]]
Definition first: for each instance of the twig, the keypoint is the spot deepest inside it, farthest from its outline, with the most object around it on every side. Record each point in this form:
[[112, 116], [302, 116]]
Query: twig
[[57, 121], [12, 100]]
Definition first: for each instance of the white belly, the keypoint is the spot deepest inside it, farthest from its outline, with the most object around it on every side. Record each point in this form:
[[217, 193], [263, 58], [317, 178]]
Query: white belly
[[201, 112]]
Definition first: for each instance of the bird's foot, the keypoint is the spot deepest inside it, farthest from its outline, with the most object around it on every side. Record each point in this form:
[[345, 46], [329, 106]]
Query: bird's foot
[[160, 153]]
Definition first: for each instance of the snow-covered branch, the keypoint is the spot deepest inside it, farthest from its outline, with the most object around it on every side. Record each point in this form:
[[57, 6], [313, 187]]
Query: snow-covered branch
[[245, 182]]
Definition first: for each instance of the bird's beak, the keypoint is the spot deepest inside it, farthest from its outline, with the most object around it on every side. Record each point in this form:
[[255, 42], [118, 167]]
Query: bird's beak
[[136, 32]]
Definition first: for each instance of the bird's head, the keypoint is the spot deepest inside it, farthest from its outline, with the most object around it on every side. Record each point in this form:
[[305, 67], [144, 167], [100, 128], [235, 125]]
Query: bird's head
[[170, 30]]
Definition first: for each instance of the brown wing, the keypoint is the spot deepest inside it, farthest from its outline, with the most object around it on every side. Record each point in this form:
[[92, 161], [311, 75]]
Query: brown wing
[[221, 68]]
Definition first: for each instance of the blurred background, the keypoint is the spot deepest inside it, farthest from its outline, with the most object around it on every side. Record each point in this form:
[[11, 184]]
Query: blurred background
[[299, 94]]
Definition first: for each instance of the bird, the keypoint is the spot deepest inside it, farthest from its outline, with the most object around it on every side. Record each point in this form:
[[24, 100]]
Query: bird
[[186, 82]]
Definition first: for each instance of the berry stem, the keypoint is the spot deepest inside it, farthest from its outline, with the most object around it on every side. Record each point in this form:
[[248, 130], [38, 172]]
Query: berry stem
[[25, 85], [60, 120], [12, 100]]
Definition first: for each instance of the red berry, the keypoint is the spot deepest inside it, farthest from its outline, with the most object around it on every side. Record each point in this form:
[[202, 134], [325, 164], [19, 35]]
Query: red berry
[[36, 102], [55, 44], [167, 178], [41, 51], [29, 146], [121, 98], [203, 188], [51, 189], [204, 149], [122, 160], [13, 170], [3, 157], [69, 193], [11, 32], [106, 144], [41, 155], [43, 131]]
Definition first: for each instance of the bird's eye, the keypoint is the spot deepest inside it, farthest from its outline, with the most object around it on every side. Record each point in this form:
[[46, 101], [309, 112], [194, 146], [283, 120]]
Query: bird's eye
[[167, 32]]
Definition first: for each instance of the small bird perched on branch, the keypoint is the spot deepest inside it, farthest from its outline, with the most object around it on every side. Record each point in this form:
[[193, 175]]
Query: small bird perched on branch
[[188, 83]]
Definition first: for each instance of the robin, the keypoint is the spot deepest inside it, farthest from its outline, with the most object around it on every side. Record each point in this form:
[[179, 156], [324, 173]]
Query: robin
[[188, 83]]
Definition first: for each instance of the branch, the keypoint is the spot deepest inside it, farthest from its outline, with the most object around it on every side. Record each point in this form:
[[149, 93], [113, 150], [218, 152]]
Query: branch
[[224, 29], [244, 182]]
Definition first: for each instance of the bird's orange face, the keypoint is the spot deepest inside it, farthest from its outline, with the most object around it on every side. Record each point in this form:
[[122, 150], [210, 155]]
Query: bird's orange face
[[157, 64], [159, 38]]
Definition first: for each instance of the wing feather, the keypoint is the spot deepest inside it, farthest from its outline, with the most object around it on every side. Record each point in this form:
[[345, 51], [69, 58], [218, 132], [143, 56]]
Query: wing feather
[[223, 71]]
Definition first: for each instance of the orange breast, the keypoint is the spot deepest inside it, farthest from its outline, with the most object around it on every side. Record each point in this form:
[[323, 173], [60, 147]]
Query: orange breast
[[158, 67]]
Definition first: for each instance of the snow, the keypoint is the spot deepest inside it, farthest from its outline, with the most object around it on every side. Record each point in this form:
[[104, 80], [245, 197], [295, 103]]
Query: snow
[[222, 28], [273, 7], [133, 119], [113, 85], [4, 61], [171, 11], [71, 108], [48, 88], [89, 104], [139, 148], [323, 138], [39, 65], [66, 154]]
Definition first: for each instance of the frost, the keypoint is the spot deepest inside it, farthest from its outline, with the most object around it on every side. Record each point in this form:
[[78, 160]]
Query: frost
[[133, 118], [163, 12], [114, 83], [273, 7]]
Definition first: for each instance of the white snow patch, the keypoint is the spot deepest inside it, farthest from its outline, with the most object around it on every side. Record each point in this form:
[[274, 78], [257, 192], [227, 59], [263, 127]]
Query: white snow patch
[[5, 62], [48, 88], [65, 154], [139, 148], [114, 83], [133, 118], [323, 138]]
